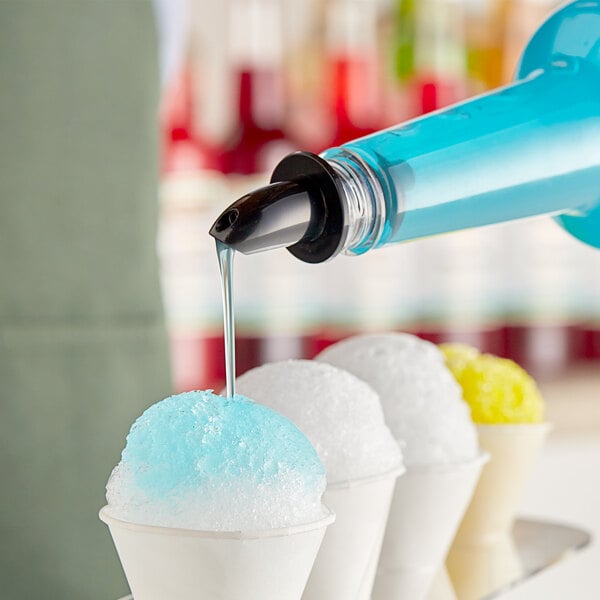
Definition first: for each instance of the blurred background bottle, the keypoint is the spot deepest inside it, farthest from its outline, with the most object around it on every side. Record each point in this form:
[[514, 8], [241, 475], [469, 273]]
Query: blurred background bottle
[[257, 139], [312, 74], [350, 82]]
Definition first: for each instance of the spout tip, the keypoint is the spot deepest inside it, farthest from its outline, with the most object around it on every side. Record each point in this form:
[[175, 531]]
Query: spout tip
[[223, 227], [299, 210], [274, 216]]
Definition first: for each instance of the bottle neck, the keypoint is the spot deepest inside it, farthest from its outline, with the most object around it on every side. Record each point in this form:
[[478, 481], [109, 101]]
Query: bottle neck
[[362, 199]]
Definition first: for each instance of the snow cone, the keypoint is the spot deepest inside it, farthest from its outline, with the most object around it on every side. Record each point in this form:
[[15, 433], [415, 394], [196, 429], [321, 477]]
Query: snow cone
[[424, 410], [508, 410], [342, 416], [216, 495]]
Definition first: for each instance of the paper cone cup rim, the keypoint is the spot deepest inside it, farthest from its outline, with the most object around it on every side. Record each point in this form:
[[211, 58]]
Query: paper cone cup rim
[[481, 458], [327, 519], [350, 483], [509, 428]]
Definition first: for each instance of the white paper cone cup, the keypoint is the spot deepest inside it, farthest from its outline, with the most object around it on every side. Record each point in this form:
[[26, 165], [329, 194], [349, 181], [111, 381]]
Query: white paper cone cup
[[346, 563], [478, 570], [427, 507], [161, 562], [441, 588], [513, 450]]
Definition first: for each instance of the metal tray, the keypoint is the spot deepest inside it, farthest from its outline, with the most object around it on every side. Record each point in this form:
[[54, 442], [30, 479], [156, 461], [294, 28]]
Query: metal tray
[[539, 545]]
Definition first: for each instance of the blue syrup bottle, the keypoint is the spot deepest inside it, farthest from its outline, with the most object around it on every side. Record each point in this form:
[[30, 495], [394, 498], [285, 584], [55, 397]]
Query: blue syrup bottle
[[530, 148]]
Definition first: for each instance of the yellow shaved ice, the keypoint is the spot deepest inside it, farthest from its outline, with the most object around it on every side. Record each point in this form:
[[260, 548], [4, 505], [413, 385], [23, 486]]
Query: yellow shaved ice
[[497, 389], [458, 356]]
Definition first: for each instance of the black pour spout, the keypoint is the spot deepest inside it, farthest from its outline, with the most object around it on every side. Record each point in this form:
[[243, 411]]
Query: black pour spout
[[300, 209]]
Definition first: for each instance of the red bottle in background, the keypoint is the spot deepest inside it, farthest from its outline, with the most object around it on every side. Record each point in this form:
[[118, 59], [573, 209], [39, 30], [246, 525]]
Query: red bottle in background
[[184, 150], [459, 283], [258, 140], [352, 84], [352, 100], [431, 53], [548, 283], [543, 334], [455, 274]]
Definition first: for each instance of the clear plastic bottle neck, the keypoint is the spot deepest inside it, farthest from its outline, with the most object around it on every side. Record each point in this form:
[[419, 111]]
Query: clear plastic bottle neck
[[363, 201]]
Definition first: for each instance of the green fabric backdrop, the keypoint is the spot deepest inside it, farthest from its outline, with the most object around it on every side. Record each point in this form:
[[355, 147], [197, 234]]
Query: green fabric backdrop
[[82, 342]]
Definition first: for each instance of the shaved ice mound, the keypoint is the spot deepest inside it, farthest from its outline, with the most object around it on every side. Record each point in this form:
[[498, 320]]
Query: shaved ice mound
[[200, 461], [421, 400], [497, 389], [340, 414]]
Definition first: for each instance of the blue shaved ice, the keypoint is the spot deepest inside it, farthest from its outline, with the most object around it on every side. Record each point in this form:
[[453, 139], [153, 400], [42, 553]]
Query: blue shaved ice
[[200, 461]]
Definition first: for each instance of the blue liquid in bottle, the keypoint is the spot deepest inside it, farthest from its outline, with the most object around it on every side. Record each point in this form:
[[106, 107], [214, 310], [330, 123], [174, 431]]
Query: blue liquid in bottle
[[530, 148], [527, 149]]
